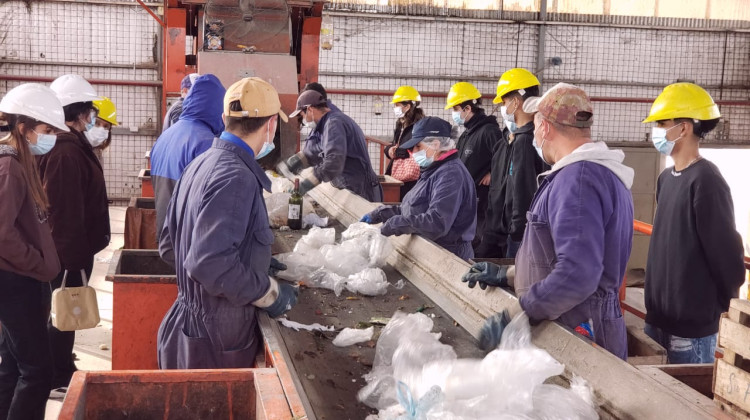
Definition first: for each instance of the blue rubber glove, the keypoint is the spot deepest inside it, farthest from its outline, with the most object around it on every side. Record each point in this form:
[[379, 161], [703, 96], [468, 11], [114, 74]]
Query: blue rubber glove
[[275, 267], [367, 219], [306, 185], [492, 330], [286, 300], [486, 274]]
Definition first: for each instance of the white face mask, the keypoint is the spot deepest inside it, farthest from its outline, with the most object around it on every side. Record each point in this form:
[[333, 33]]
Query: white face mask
[[96, 135], [309, 124], [398, 111]]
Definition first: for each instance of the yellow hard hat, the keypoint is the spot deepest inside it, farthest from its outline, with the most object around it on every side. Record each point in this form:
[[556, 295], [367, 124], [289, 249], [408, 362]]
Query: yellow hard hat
[[683, 100], [514, 79], [107, 110], [406, 93], [460, 93]]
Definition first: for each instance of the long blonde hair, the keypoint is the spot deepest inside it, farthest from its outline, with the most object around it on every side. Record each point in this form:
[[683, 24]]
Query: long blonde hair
[[17, 140]]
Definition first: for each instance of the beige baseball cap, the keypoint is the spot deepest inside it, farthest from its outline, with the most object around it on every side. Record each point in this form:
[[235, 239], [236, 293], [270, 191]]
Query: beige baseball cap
[[564, 104], [257, 99]]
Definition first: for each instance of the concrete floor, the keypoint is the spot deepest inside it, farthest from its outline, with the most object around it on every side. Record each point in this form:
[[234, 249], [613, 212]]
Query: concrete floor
[[89, 343]]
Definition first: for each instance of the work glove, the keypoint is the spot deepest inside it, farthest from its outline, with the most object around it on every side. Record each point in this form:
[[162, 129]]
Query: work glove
[[307, 184], [492, 330], [486, 274], [295, 163], [284, 302], [275, 267], [367, 219]]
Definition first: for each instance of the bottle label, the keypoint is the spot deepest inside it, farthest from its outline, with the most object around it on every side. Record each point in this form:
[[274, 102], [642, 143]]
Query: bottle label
[[294, 211]]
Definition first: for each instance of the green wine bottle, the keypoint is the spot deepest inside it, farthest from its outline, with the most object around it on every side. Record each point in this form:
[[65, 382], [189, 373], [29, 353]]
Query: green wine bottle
[[294, 218]]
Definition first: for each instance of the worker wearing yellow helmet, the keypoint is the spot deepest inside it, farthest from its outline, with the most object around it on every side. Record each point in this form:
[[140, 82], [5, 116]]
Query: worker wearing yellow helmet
[[514, 169], [100, 136], [695, 256], [478, 142], [405, 102]]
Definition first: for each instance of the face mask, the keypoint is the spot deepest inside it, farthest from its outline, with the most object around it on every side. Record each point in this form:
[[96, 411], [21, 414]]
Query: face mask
[[267, 147], [96, 136], [44, 143], [309, 124], [92, 122], [509, 119], [539, 150], [659, 139], [398, 111], [421, 158], [457, 118]]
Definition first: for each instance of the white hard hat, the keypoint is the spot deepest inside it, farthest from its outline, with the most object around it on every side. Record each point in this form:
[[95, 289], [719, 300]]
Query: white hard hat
[[35, 101], [72, 88]]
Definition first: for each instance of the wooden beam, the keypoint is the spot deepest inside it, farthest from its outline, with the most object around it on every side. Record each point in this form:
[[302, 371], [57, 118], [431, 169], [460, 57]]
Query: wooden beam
[[621, 391]]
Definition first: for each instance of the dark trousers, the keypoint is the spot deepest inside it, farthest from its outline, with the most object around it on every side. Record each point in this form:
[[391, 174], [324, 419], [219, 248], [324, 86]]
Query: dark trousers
[[61, 342], [483, 192], [25, 368]]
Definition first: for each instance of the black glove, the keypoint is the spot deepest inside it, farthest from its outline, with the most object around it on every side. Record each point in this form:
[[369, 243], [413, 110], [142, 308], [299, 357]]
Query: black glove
[[486, 274], [295, 163], [286, 300], [275, 267], [306, 185], [492, 330]]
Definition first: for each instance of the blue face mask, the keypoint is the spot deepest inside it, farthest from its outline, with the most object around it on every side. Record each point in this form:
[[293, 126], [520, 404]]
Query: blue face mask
[[421, 158], [457, 118], [91, 123], [267, 147], [44, 143], [659, 139]]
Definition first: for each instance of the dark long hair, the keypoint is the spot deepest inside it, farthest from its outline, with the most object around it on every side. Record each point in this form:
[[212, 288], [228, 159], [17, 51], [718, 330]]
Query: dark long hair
[[17, 140], [413, 115]]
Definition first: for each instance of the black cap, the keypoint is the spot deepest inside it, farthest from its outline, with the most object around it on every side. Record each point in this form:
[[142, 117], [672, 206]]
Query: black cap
[[308, 98], [427, 127]]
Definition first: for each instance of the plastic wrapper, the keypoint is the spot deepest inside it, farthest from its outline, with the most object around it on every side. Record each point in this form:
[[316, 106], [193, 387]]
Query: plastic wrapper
[[326, 279], [313, 219], [351, 336], [376, 246], [343, 260], [315, 239], [279, 184], [414, 376], [300, 265], [369, 282]]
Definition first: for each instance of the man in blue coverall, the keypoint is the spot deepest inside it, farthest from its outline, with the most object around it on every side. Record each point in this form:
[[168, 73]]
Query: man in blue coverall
[[217, 233]]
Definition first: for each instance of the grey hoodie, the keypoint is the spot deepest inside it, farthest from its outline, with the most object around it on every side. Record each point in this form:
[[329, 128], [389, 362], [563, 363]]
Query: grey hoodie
[[598, 152]]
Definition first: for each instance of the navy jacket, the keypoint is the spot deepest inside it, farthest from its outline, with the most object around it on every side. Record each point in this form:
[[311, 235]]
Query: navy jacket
[[338, 153], [442, 208], [192, 135], [217, 236]]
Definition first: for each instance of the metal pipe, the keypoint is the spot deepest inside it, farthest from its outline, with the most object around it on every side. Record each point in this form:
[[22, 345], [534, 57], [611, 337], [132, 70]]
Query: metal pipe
[[148, 83], [541, 42], [62, 63], [103, 2], [443, 94], [642, 227]]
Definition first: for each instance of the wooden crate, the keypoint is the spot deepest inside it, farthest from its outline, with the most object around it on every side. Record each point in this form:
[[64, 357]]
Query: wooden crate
[[731, 383]]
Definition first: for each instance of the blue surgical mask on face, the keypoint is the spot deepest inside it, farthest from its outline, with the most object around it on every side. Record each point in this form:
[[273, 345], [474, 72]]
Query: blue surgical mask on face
[[44, 143], [267, 147], [659, 139], [457, 118], [508, 119], [92, 121], [421, 158]]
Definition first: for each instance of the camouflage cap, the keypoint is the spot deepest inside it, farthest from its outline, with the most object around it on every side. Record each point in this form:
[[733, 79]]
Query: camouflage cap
[[564, 104]]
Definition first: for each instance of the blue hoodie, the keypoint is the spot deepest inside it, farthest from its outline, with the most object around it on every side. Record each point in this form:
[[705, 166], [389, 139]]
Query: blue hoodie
[[192, 135]]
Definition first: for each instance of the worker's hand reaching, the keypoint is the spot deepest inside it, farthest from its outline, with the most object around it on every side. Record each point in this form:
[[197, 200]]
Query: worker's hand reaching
[[295, 163], [285, 301], [366, 219], [486, 274], [307, 184], [492, 330], [275, 267]]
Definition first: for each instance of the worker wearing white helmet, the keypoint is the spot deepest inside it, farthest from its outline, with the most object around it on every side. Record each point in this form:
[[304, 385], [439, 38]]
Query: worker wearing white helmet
[[27, 252], [74, 182]]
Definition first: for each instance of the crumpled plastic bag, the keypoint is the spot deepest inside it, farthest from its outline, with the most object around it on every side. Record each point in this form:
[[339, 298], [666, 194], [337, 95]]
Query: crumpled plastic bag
[[410, 367], [277, 205], [279, 184], [315, 239], [313, 219], [343, 260], [351, 336], [376, 246], [326, 279], [368, 282], [300, 265]]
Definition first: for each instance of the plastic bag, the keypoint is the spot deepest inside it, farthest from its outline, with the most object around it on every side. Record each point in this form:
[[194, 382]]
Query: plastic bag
[[279, 184], [376, 246], [313, 219], [350, 336], [315, 239], [300, 265], [326, 279], [369, 282], [277, 205], [343, 260]]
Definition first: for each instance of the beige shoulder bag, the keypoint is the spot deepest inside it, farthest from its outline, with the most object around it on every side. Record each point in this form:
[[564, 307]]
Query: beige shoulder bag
[[74, 308]]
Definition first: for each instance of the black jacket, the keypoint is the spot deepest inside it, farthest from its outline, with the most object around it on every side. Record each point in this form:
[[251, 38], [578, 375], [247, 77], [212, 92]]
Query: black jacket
[[400, 136], [524, 166], [493, 231], [477, 144]]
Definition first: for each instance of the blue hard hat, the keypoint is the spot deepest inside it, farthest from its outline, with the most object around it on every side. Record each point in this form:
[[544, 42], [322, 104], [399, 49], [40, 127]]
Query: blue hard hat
[[427, 127]]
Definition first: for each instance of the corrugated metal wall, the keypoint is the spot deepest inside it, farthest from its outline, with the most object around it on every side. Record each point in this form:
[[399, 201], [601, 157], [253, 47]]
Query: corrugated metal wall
[[108, 41]]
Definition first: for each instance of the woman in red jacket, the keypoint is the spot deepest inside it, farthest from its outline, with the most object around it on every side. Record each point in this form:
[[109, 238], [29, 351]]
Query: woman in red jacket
[[28, 258]]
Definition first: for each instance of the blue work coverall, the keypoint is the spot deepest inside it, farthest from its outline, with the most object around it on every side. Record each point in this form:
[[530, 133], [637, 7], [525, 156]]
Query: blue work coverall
[[441, 207], [217, 230]]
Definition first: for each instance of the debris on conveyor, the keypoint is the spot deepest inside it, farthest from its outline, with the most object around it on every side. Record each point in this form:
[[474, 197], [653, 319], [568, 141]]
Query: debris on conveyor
[[351, 336], [415, 376], [354, 263], [296, 326]]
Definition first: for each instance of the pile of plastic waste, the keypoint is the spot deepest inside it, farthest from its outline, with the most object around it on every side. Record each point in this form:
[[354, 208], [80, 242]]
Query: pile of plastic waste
[[353, 264], [416, 377]]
